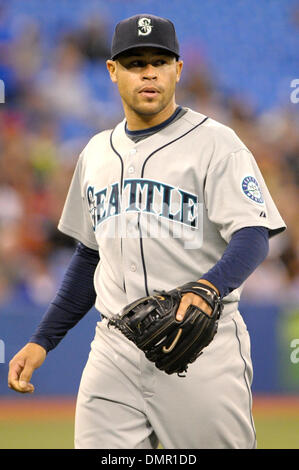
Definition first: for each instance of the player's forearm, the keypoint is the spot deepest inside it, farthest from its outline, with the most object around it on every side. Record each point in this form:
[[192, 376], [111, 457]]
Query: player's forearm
[[74, 299], [246, 250]]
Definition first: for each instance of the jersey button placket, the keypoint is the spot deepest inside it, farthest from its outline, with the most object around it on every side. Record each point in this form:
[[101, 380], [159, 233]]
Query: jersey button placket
[[130, 162], [130, 245]]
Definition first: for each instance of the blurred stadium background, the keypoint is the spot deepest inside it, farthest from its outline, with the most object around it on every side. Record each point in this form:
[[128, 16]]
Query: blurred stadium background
[[241, 59]]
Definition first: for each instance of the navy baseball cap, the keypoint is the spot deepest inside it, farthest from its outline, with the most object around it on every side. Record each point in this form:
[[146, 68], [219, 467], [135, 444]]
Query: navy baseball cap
[[144, 31]]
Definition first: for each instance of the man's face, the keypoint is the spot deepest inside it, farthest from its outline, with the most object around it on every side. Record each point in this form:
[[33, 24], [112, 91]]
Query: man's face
[[146, 79]]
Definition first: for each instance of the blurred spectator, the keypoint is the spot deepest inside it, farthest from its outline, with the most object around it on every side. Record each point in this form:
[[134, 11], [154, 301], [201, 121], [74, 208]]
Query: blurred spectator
[[26, 53], [92, 39], [63, 85]]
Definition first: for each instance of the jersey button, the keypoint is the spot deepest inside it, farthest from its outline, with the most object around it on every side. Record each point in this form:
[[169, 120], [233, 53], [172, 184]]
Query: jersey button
[[131, 169], [133, 151], [133, 267]]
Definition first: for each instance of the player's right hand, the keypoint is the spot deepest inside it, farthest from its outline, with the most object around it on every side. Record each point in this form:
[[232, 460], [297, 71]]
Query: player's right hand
[[22, 366]]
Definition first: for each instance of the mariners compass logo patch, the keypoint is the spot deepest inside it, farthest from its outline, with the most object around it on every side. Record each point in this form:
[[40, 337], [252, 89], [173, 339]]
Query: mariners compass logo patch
[[252, 190], [144, 26]]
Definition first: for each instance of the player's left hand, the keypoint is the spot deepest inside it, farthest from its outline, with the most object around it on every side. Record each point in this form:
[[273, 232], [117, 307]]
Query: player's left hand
[[193, 299]]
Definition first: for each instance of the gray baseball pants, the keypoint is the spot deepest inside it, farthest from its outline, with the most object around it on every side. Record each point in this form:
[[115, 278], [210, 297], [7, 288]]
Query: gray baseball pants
[[125, 402]]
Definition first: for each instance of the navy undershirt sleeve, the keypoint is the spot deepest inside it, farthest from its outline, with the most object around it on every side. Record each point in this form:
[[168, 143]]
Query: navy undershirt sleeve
[[247, 248], [75, 297]]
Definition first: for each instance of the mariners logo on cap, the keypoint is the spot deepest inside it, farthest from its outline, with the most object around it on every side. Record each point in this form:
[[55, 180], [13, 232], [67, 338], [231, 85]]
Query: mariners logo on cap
[[252, 190], [144, 26]]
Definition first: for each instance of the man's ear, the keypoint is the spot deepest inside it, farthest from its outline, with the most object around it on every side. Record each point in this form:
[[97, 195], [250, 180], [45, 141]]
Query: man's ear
[[179, 67], [111, 66]]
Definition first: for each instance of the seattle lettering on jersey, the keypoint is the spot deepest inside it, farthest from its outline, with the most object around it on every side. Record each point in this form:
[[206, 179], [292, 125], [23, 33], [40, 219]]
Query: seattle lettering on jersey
[[143, 196]]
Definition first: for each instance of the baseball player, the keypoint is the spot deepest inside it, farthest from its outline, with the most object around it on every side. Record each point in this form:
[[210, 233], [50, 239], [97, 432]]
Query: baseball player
[[167, 197]]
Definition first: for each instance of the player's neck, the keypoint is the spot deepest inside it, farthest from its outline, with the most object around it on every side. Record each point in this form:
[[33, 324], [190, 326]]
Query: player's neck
[[136, 122]]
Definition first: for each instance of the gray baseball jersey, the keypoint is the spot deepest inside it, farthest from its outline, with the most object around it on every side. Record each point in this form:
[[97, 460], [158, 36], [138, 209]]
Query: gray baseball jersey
[[161, 212]]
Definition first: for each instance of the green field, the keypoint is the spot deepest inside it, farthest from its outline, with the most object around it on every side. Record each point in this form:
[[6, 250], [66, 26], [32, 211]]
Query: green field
[[277, 432], [25, 434], [50, 426]]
